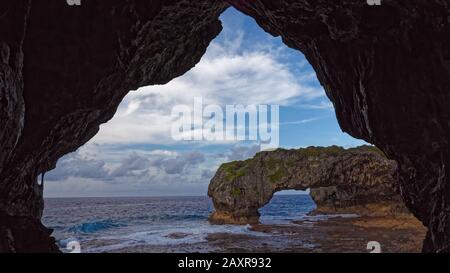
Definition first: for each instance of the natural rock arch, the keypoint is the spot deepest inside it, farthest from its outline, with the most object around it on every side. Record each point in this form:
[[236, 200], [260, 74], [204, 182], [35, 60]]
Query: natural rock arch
[[64, 71], [361, 179]]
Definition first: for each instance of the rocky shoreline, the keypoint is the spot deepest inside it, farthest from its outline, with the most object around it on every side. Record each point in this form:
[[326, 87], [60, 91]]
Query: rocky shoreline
[[401, 234]]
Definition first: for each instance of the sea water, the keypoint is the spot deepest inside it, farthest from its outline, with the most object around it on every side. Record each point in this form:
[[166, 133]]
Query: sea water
[[157, 224]]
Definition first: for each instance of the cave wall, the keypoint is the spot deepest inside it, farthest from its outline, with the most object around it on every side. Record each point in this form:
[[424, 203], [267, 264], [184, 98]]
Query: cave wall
[[387, 71], [64, 70]]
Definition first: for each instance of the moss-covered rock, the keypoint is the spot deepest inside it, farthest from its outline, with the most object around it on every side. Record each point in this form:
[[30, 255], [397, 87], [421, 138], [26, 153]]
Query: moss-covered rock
[[358, 176]]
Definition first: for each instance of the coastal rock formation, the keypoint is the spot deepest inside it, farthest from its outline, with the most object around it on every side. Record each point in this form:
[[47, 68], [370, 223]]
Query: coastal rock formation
[[64, 70], [358, 180]]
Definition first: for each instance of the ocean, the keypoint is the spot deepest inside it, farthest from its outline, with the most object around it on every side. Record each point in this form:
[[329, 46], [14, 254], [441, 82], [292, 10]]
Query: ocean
[[162, 224]]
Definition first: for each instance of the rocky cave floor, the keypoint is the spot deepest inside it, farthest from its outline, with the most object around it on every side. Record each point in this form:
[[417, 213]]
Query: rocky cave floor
[[400, 234]]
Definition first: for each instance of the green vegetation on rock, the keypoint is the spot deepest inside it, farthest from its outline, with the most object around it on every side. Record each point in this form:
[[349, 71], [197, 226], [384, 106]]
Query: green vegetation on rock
[[316, 151], [277, 176], [235, 169], [273, 163], [236, 192], [276, 166], [367, 148]]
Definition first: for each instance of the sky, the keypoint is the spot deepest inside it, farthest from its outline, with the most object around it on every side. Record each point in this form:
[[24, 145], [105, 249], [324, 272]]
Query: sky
[[135, 154]]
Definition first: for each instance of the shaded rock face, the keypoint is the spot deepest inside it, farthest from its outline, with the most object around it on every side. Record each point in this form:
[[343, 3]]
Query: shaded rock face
[[25, 235], [359, 200], [387, 71], [63, 72], [358, 180]]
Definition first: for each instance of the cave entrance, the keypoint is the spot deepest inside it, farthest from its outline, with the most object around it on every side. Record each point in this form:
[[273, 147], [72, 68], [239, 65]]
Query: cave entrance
[[135, 163], [287, 206], [138, 161], [135, 154]]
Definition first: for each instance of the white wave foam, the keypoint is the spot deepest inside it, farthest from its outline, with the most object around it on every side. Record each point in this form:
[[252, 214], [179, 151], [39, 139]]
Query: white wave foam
[[191, 235]]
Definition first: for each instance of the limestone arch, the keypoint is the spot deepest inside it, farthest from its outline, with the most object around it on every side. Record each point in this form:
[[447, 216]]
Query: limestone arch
[[359, 178]]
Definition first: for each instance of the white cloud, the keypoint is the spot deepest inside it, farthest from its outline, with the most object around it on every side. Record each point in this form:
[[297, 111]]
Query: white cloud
[[225, 75], [132, 164], [242, 152], [136, 173], [322, 105], [302, 121]]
